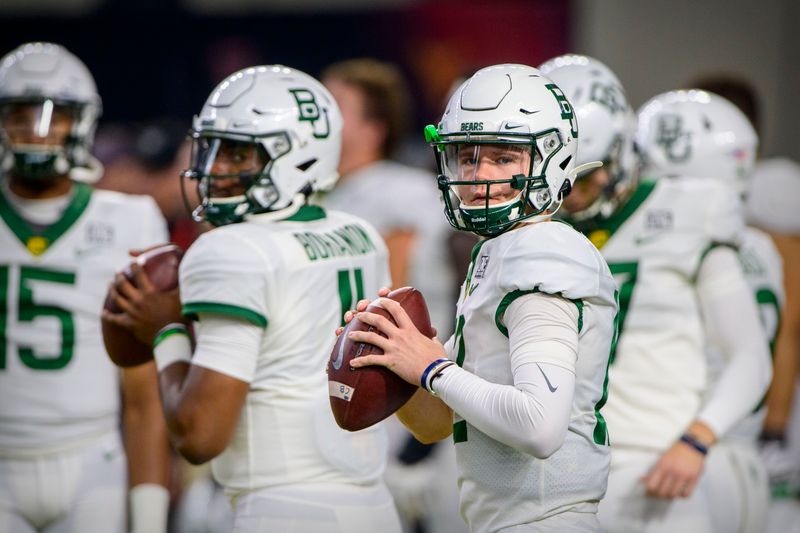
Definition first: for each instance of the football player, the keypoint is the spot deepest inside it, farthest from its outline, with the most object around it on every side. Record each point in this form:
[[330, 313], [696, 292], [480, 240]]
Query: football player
[[521, 383], [668, 243], [265, 288], [721, 144], [62, 460]]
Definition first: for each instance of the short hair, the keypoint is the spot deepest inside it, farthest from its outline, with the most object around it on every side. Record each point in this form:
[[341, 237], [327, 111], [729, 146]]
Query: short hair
[[739, 91], [386, 95]]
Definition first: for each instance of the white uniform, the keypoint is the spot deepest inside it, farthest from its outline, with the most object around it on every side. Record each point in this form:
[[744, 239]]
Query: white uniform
[[501, 486], [736, 474], [655, 246], [59, 392], [294, 278]]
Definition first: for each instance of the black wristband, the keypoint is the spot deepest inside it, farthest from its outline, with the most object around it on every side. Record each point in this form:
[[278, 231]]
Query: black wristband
[[694, 443]]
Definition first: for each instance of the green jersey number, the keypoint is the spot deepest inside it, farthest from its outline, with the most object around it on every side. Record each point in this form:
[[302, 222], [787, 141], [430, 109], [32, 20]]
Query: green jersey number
[[770, 310], [350, 282], [28, 311], [625, 275]]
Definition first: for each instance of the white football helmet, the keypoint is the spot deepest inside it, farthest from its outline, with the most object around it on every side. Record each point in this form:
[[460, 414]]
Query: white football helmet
[[696, 133], [517, 107], [607, 123], [39, 82], [295, 125]]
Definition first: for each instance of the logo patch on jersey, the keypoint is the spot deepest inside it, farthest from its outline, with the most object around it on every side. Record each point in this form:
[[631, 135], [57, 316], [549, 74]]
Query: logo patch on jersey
[[659, 219], [483, 262], [37, 245]]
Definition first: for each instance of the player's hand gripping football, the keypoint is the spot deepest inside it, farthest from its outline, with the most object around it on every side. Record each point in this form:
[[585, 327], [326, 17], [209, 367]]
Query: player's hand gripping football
[[145, 309], [406, 351]]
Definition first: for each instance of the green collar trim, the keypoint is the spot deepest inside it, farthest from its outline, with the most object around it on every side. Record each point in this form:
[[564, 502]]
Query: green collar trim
[[307, 213], [38, 242], [613, 223]]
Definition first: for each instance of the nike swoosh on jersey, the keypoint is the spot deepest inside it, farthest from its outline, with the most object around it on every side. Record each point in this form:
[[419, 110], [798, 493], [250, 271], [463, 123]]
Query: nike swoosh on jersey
[[549, 385]]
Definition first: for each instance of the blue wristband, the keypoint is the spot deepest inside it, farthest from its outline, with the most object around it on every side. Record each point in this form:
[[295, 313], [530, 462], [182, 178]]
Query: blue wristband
[[424, 379], [694, 443]]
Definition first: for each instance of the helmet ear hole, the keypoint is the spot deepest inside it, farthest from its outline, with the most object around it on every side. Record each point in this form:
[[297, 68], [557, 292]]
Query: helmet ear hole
[[565, 189]]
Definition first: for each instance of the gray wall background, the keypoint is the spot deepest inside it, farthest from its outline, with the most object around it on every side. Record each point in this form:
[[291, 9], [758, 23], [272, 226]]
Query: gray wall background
[[659, 45]]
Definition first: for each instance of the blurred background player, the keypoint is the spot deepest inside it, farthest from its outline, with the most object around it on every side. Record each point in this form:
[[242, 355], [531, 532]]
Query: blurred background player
[[771, 204], [267, 287], [681, 286], [521, 384], [403, 204], [62, 462], [719, 143]]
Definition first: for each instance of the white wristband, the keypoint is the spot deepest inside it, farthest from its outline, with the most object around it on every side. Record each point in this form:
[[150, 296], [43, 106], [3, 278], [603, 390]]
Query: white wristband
[[172, 345], [149, 507]]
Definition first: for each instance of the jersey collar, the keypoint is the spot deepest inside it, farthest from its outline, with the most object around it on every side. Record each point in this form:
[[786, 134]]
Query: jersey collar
[[39, 241]]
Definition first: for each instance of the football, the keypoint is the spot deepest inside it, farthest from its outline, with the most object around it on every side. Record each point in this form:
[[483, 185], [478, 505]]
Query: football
[[365, 396], [161, 265]]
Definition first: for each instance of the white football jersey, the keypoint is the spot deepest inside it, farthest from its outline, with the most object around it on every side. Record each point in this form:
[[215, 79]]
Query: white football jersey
[[295, 278], [501, 486], [57, 385], [763, 270], [392, 196], [654, 246]]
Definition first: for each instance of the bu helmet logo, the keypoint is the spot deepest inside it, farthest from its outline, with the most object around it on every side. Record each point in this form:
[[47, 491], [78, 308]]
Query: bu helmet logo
[[311, 112], [566, 108], [675, 141], [609, 96]]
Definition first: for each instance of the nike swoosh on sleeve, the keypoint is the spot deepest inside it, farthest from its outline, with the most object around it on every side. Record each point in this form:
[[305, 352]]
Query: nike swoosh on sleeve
[[549, 385]]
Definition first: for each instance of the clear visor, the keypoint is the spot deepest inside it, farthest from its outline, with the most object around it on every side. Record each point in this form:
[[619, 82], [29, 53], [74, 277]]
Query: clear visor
[[43, 125], [488, 172], [226, 168]]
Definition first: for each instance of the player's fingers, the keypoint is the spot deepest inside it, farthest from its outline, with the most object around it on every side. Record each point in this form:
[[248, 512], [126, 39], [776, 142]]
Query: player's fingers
[[384, 291], [398, 313], [380, 322], [370, 337], [141, 277], [125, 288], [671, 487], [653, 480], [339, 331], [121, 301], [362, 304], [348, 316], [118, 319], [369, 360]]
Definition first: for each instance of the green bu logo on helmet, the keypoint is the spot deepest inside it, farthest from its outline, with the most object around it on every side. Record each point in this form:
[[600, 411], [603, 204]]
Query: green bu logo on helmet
[[673, 138], [311, 112], [566, 108]]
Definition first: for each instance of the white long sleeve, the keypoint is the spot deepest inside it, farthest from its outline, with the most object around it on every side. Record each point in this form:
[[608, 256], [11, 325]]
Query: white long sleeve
[[533, 414], [731, 319]]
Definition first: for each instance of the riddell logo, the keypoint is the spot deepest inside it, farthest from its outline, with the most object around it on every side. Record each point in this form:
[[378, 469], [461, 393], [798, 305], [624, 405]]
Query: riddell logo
[[472, 126]]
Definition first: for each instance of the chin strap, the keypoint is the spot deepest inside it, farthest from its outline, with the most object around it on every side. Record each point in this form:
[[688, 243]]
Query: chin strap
[[298, 201]]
